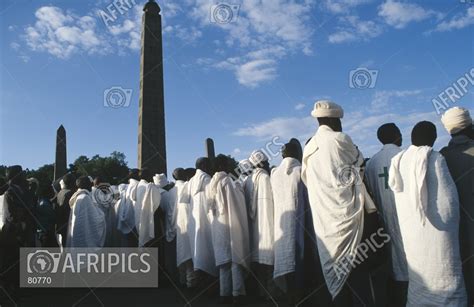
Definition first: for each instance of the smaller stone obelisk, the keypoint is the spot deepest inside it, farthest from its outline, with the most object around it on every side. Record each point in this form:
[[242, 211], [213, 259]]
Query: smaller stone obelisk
[[60, 163], [210, 151]]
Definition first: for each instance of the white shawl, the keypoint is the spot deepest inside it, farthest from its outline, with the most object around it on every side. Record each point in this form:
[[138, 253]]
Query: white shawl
[[261, 218], [199, 226], [285, 180], [182, 214], [337, 196], [229, 226], [86, 222], [428, 211]]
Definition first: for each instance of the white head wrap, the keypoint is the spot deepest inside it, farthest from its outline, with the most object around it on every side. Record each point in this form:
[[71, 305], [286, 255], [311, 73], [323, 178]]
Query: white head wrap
[[326, 108], [456, 119], [160, 180], [257, 157]]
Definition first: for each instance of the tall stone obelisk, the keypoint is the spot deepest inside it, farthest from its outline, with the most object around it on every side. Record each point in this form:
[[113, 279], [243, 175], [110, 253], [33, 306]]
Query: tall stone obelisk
[[60, 162], [151, 120]]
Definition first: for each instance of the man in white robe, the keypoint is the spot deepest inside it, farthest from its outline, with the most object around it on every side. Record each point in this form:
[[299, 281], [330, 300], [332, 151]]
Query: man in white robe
[[167, 205], [200, 219], [428, 212], [285, 180], [261, 222], [125, 211], [147, 201], [377, 180], [331, 172], [87, 221], [229, 230], [181, 217], [103, 195], [459, 155]]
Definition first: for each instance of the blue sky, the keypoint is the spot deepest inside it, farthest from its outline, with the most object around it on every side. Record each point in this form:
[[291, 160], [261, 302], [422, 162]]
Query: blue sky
[[243, 83]]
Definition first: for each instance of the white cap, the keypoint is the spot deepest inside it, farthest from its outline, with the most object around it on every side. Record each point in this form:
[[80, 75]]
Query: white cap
[[327, 108]]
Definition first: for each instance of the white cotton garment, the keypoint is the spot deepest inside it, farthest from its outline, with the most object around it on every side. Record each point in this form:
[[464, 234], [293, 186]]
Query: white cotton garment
[[168, 204], [146, 221], [285, 180], [86, 222], [125, 208], [4, 214], [337, 197], [376, 173], [199, 225], [182, 214], [229, 225], [428, 212], [261, 217]]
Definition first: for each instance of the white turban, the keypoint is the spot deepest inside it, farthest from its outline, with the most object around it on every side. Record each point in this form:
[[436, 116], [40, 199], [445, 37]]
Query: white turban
[[257, 157], [160, 180], [456, 119], [326, 108]]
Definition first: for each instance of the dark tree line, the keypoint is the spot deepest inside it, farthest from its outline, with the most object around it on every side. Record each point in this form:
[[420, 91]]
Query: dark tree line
[[112, 169]]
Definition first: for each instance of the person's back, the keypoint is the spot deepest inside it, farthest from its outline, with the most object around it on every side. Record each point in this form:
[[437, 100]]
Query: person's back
[[199, 226], [376, 175], [459, 155], [285, 180], [87, 221], [428, 212]]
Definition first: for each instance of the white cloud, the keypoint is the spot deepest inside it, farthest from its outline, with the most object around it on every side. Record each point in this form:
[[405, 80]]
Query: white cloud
[[252, 73], [354, 29], [264, 33], [300, 106], [283, 127], [382, 99], [63, 34], [400, 14], [342, 6], [457, 22]]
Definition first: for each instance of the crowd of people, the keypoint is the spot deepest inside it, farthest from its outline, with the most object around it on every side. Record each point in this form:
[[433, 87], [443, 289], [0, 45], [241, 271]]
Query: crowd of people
[[320, 223]]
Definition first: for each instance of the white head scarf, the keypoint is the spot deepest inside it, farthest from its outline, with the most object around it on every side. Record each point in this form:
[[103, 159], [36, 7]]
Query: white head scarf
[[160, 180], [327, 108], [456, 119]]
